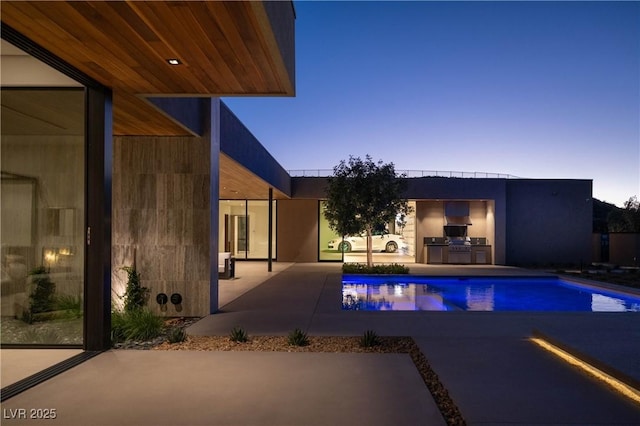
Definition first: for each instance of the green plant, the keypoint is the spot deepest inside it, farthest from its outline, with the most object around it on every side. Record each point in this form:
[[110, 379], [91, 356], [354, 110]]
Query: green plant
[[176, 335], [118, 325], [139, 324], [369, 339], [359, 268], [364, 196], [72, 305], [238, 334], [42, 297], [135, 296], [298, 338]]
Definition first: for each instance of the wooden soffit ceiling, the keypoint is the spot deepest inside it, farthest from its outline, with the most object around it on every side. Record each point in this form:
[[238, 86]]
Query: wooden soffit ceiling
[[226, 48], [238, 183]]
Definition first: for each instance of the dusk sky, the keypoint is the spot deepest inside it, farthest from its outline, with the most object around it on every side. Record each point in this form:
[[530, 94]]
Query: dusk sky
[[531, 89]]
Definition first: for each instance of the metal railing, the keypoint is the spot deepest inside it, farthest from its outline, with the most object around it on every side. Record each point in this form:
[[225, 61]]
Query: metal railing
[[411, 174]]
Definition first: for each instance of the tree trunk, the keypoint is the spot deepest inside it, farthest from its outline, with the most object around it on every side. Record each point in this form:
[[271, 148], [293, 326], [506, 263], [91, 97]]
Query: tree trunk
[[369, 249]]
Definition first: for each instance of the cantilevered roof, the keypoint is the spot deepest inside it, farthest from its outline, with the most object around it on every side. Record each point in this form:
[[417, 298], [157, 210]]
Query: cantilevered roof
[[224, 48], [247, 169]]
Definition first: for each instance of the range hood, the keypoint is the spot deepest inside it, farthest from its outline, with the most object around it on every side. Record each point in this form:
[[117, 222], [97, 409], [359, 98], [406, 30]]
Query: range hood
[[456, 213], [458, 220]]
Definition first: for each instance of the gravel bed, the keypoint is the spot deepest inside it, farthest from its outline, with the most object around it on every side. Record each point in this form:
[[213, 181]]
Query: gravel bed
[[59, 332]]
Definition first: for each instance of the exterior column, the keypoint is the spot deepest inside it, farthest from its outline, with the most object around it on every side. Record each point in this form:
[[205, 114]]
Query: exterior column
[[99, 163], [212, 125], [270, 249]]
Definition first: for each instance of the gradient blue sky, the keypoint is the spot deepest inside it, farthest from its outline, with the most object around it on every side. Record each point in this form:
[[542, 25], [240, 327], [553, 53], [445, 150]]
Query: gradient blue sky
[[532, 89]]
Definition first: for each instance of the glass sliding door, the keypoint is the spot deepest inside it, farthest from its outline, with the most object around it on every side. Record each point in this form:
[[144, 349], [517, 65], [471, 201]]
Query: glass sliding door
[[394, 244], [230, 238], [244, 228], [258, 229], [42, 215]]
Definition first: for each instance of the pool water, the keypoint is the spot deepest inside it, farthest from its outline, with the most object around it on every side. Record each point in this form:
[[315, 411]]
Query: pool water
[[402, 293]]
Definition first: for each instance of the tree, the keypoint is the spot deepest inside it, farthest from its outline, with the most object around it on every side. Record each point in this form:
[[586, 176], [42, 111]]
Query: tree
[[626, 219], [362, 197]]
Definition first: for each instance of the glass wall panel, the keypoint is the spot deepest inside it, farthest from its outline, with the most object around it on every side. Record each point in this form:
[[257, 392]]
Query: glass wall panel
[[244, 228], [258, 229], [42, 215], [232, 232], [327, 235], [395, 245]]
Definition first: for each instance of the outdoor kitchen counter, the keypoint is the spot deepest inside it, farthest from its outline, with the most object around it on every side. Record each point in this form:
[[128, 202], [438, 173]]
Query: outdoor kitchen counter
[[476, 254]]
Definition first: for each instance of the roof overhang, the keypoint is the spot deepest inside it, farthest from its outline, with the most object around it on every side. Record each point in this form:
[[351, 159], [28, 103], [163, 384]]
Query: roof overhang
[[238, 183], [224, 48]]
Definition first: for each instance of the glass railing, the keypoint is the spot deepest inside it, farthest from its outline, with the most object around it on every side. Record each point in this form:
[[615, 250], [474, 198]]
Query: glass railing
[[411, 174]]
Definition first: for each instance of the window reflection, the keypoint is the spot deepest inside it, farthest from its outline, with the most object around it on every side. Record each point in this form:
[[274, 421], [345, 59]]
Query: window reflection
[[42, 215]]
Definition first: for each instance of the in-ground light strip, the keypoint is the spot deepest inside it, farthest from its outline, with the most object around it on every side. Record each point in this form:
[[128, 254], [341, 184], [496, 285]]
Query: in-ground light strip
[[616, 384]]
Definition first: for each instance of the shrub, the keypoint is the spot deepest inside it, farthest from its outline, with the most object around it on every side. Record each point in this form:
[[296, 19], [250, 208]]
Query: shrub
[[359, 268], [118, 326], [238, 335], [298, 338], [369, 339], [139, 324], [135, 296], [42, 296], [176, 335], [72, 305]]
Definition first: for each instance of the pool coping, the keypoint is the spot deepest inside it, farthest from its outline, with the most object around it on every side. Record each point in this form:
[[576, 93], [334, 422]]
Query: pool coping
[[600, 284]]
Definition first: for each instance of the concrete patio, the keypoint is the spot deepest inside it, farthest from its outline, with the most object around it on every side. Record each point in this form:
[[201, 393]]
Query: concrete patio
[[493, 372]]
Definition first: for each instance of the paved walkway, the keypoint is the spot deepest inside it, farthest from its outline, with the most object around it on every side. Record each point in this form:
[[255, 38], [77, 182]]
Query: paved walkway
[[485, 360]]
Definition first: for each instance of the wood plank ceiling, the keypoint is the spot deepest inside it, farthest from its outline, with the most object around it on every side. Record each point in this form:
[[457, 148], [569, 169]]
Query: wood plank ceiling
[[237, 183], [225, 48]]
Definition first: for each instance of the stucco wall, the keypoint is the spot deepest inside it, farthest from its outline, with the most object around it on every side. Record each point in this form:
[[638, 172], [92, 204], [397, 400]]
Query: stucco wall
[[549, 222], [478, 216], [297, 230], [429, 223], [161, 213]]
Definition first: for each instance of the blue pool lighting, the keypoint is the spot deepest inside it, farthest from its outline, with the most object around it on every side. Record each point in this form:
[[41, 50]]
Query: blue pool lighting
[[413, 293]]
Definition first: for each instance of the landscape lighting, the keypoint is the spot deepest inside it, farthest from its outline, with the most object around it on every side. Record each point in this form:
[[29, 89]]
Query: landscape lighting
[[621, 387]]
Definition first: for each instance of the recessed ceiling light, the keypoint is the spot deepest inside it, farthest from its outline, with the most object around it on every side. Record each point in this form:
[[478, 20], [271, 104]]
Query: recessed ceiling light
[[173, 61]]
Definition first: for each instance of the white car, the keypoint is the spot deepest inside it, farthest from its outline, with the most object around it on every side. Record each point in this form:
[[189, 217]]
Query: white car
[[382, 241]]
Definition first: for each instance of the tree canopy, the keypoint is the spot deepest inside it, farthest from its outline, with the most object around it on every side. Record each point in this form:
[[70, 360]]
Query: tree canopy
[[364, 196], [626, 219]]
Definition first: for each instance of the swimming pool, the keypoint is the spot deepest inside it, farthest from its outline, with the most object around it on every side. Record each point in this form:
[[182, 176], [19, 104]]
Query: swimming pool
[[414, 293]]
